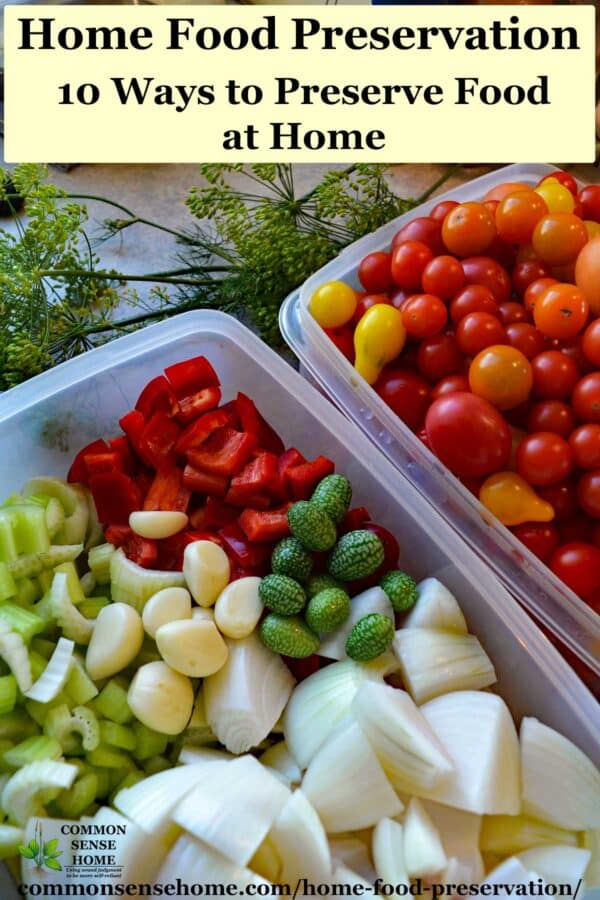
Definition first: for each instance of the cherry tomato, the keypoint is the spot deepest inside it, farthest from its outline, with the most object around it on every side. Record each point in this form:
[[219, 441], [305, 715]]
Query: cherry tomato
[[406, 394], [574, 350], [343, 338], [593, 228], [501, 375], [477, 331], [558, 238], [511, 312], [468, 229], [424, 316], [541, 538], [450, 385], [588, 493], [492, 205], [441, 210], [502, 252], [544, 459], [552, 415], [590, 343], [586, 398], [501, 191], [563, 178], [589, 198], [526, 338], [578, 565], [566, 272], [596, 541], [556, 196], [518, 214], [375, 272], [489, 273], [561, 311], [526, 252], [443, 277], [585, 446], [587, 274], [563, 499], [472, 298], [424, 230], [526, 272], [333, 304], [439, 357], [535, 290], [408, 262], [468, 435], [554, 375], [366, 302]]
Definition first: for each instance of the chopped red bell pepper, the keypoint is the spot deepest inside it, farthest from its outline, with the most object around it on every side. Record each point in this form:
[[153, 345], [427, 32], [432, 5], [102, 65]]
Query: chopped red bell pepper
[[252, 421], [157, 396], [304, 478], [258, 479], [168, 492], [354, 519], [214, 513], [157, 443], [141, 551], [287, 460], [238, 572], [239, 548], [196, 433], [171, 550], [122, 446], [201, 482], [78, 471], [95, 463], [268, 525], [116, 496], [133, 425], [117, 534], [226, 452], [191, 375], [193, 405], [144, 482], [302, 668], [243, 498], [232, 411]]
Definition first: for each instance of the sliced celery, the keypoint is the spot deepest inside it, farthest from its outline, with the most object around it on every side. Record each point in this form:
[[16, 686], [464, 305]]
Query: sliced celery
[[156, 764], [21, 620], [29, 529], [28, 592], [13, 499], [116, 735], [43, 646], [32, 749], [94, 533], [108, 758], [91, 606], [80, 687], [8, 545], [17, 725], [130, 779], [55, 516], [72, 803], [59, 605], [88, 583], [57, 722], [11, 839], [44, 581], [4, 746], [61, 724], [73, 499], [14, 653], [134, 585], [76, 592], [34, 564], [105, 786], [8, 693], [111, 702], [8, 587], [99, 562], [39, 712], [148, 743], [38, 664]]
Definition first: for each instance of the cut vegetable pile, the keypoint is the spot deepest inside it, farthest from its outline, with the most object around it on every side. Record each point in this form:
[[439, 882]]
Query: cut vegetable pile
[[202, 639]]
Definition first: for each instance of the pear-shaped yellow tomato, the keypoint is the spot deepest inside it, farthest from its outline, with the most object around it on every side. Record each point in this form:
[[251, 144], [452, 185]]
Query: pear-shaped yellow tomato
[[379, 338], [587, 274], [333, 304], [513, 501]]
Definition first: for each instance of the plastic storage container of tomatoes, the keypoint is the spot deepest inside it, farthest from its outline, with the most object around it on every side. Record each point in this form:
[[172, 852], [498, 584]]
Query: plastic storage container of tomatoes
[[570, 619]]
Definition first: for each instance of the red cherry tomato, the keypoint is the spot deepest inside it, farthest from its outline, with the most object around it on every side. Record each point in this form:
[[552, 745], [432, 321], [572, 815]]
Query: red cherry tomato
[[589, 197], [526, 272], [518, 214], [561, 311], [408, 262], [443, 277], [424, 316], [586, 398], [526, 338], [562, 498], [423, 229], [488, 272], [375, 272], [477, 331], [590, 342], [439, 357], [585, 446], [552, 415], [534, 291], [450, 385], [406, 394], [573, 348], [544, 459], [468, 229], [468, 435], [511, 312], [441, 210], [343, 338], [502, 252], [542, 538], [473, 298], [366, 302], [554, 375], [588, 493], [563, 178], [578, 565]]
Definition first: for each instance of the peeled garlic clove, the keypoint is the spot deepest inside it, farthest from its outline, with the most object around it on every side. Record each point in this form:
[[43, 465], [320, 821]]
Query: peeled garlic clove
[[206, 570], [206, 613], [161, 698], [116, 640], [167, 605], [238, 608], [157, 523], [193, 647]]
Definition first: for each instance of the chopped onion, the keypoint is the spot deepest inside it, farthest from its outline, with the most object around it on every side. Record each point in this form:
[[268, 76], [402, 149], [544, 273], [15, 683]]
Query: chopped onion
[[359, 886], [591, 841], [459, 832], [346, 760], [234, 807], [437, 608], [278, 757], [557, 864], [352, 853], [53, 678], [20, 795], [404, 743], [506, 876], [194, 755], [374, 600], [423, 851], [317, 705], [245, 698], [301, 843], [388, 852], [561, 785], [477, 732], [140, 854], [201, 864], [506, 835]]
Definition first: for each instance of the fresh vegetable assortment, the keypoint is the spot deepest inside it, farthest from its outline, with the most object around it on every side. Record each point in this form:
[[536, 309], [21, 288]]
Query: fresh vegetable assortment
[[480, 328], [200, 637]]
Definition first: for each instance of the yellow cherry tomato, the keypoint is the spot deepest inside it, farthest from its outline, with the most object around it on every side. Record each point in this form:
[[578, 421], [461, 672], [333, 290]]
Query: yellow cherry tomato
[[378, 339], [333, 304], [593, 228], [513, 501], [557, 197], [502, 375]]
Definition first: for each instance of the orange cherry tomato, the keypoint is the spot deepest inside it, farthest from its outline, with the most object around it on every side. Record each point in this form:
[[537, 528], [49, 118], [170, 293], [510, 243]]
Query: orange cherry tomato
[[587, 274], [561, 311], [503, 190], [468, 229], [501, 375], [558, 237], [518, 214]]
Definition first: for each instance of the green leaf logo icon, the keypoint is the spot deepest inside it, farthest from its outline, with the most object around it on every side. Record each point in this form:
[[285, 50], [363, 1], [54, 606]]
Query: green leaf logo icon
[[42, 854]]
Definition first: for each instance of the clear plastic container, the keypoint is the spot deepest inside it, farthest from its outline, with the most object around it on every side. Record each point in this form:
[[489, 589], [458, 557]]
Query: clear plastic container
[[531, 582]]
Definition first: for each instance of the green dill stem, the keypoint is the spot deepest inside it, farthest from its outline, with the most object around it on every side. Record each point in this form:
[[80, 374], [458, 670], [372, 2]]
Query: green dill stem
[[438, 183], [120, 276], [136, 320]]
